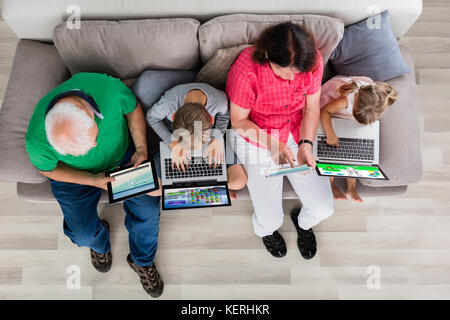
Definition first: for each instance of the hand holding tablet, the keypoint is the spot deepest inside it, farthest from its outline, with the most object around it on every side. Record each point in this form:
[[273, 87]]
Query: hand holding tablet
[[130, 182]]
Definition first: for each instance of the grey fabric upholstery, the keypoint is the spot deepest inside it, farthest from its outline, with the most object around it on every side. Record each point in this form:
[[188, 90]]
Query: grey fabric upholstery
[[161, 81], [232, 30], [41, 192], [400, 154], [369, 48], [125, 48], [37, 69], [215, 71]]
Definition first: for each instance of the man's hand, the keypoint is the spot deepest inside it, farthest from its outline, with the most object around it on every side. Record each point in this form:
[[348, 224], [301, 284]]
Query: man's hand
[[100, 181], [180, 156], [138, 157], [282, 154], [214, 152], [305, 155], [156, 193], [332, 140]]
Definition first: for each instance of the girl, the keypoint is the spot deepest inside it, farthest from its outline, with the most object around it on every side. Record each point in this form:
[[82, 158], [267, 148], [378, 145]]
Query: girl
[[352, 97]]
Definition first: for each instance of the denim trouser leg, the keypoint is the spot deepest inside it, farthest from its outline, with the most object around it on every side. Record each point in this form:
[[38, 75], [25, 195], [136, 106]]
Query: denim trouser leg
[[83, 227], [142, 223], [81, 223]]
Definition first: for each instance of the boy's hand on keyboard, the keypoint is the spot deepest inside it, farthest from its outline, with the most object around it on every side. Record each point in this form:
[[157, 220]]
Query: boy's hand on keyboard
[[214, 152], [180, 156], [333, 140]]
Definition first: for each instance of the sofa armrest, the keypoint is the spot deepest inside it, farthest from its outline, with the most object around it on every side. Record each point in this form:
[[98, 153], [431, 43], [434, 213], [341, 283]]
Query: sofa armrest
[[400, 151], [37, 69]]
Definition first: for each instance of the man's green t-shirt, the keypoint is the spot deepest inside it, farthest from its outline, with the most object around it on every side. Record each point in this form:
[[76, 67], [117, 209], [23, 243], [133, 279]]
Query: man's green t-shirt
[[113, 99]]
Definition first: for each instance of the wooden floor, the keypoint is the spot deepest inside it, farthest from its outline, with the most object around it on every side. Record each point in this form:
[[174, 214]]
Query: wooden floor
[[215, 255]]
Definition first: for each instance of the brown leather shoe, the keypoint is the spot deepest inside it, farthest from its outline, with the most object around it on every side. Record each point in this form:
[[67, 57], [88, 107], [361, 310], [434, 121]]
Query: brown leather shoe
[[102, 262], [150, 278]]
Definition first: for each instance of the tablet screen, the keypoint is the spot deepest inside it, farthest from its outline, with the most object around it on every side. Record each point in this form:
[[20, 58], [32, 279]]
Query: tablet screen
[[196, 197], [132, 181], [350, 171]]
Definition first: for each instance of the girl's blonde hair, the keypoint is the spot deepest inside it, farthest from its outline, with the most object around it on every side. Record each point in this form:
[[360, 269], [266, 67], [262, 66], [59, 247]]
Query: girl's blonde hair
[[185, 118], [371, 100]]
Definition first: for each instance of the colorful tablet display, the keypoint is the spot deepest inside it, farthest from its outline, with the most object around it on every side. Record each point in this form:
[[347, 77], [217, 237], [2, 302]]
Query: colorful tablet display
[[196, 197], [350, 171]]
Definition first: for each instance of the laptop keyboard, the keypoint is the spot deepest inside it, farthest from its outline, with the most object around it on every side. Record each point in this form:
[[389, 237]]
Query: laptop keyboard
[[198, 167], [349, 148]]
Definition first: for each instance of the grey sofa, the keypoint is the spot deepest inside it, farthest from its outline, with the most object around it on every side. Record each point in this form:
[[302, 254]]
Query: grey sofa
[[38, 68]]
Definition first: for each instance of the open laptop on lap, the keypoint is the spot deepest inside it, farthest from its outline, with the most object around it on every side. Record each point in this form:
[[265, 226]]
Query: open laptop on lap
[[199, 186], [357, 155]]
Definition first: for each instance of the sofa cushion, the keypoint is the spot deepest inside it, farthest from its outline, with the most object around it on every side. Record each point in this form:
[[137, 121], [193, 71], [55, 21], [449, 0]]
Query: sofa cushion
[[126, 48], [400, 155], [215, 71], [152, 84], [369, 48], [37, 69], [235, 29]]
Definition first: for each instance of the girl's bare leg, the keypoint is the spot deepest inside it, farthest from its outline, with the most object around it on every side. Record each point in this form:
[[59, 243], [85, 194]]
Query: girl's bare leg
[[337, 193], [351, 190]]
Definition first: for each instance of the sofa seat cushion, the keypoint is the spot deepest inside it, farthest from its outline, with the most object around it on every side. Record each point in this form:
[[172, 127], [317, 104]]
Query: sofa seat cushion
[[37, 69], [235, 29], [400, 152], [125, 48], [41, 192]]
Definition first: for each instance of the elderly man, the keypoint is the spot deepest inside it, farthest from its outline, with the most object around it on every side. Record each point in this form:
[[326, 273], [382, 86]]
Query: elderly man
[[77, 132]]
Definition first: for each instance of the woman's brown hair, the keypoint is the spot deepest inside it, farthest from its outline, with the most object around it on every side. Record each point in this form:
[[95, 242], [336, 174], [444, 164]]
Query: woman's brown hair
[[371, 100], [286, 44], [187, 115]]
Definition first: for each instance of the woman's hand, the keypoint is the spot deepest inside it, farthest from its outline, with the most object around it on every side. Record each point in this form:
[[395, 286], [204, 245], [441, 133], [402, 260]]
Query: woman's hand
[[282, 154], [180, 156], [305, 155], [100, 180], [332, 140], [214, 151]]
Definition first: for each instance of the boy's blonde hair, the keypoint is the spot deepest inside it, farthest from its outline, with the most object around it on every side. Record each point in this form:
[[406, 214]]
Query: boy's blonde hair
[[371, 100], [185, 118]]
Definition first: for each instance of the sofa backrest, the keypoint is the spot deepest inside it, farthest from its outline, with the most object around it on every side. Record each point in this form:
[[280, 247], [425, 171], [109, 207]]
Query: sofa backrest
[[37, 19]]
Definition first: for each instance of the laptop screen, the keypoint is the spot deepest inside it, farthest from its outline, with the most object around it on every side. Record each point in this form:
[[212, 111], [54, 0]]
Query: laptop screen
[[350, 171], [196, 197]]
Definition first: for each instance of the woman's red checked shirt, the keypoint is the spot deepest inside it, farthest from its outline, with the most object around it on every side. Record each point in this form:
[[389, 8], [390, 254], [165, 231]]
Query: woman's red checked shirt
[[274, 103]]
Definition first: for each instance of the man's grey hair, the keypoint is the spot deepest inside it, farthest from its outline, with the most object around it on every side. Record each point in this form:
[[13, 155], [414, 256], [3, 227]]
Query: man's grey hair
[[78, 142]]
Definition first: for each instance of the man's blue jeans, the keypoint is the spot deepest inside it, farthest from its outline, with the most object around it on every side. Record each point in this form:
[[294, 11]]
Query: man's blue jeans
[[83, 227]]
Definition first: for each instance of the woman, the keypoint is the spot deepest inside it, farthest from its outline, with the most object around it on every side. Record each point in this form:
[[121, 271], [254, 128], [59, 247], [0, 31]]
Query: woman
[[274, 92]]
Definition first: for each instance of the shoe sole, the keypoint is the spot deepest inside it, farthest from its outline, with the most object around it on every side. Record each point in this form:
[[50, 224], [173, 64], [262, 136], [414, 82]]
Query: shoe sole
[[153, 295], [294, 218]]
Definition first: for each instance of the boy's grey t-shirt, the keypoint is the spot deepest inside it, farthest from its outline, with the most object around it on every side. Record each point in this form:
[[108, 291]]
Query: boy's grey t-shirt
[[159, 116]]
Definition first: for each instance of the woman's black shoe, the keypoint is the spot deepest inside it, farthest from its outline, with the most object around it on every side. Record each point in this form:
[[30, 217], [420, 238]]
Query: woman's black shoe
[[306, 240], [275, 244]]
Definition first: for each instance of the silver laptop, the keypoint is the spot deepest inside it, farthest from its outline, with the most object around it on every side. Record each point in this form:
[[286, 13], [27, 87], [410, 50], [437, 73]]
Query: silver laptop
[[200, 185], [357, 155]]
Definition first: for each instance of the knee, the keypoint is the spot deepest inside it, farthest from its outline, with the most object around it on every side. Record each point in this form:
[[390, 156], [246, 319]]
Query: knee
[[238, 183], [238, 178]]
